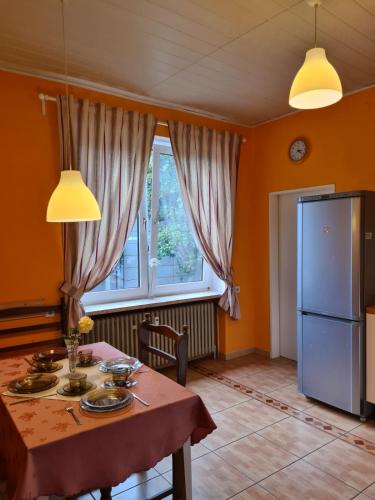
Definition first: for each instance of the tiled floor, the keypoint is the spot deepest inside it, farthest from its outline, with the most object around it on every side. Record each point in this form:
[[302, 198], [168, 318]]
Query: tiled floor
[[271, 441]]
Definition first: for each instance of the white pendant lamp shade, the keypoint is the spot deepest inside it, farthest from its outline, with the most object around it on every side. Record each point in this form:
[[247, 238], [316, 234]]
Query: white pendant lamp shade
[[72, 200], [316, 84]]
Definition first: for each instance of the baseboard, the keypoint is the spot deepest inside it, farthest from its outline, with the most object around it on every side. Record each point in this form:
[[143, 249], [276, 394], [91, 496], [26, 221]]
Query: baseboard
[[262, 352], [226, 356]]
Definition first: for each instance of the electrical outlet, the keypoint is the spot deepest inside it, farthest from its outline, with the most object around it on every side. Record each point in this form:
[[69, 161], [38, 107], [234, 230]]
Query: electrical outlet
[[237, 288], [156, 320], [134, 328]]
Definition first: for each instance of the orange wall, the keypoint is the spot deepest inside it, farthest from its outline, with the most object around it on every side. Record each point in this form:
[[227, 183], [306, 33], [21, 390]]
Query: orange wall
[[30, 252], [341, 136], [342, 141], [241, 335]]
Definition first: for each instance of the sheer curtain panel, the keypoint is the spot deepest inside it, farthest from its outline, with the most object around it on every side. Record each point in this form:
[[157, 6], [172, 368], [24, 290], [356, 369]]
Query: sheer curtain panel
[[111, 147], [207, 164]]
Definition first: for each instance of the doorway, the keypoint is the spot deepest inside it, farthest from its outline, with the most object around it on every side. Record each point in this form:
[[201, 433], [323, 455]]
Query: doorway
[[283, 267]]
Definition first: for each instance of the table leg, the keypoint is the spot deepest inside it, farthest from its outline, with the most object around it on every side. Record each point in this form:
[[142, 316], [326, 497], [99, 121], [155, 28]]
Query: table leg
[[181, 460], [105, 493]]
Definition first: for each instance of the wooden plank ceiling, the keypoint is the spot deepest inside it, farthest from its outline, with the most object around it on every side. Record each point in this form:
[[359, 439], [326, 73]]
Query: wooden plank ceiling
[[234, 58]]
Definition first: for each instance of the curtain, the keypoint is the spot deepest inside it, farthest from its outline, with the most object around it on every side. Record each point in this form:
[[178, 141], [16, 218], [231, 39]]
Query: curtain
[[207, 164], [111, 147]]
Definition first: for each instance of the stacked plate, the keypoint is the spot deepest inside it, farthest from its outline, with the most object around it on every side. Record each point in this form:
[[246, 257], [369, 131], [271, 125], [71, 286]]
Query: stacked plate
[[42, 367], [95, 360], [105, 400], [66, 390], [51, 354], [29, 384], [120, 363]]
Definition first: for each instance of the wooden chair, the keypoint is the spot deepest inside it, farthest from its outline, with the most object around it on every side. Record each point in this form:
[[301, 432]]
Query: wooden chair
[[180, 346], [179, 358]]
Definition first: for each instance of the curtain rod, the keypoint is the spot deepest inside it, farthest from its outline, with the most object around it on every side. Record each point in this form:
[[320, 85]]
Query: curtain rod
[[45, 97]]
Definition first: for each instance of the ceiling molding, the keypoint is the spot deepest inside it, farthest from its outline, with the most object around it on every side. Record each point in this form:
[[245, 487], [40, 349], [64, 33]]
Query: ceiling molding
[[295, 111], [106, 89]]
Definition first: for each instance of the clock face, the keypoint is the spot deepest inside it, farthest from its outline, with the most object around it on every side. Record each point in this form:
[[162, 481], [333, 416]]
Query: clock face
[[298, 150]]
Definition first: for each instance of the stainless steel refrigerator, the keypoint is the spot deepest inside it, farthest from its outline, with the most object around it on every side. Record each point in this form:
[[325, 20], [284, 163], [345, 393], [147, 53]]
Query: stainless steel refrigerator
[[335, 283]]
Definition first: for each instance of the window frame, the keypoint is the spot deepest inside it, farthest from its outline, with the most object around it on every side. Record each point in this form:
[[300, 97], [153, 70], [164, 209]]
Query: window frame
[[122, 294], [162, 147], [147, 274]]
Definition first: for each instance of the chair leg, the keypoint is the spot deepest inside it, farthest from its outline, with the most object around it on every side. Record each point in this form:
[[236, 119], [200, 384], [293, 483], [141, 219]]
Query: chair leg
[[105, 493]]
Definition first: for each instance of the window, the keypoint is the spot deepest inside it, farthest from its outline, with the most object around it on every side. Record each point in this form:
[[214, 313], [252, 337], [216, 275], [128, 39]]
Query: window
[[160, 256], [126, 273], [171, 241]]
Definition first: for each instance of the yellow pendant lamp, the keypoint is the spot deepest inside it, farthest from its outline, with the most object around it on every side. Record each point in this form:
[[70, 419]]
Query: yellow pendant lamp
[[317, 83], [72, 200]]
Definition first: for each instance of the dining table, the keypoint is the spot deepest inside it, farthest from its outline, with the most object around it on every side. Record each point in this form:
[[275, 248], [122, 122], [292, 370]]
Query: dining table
[[43, 451]]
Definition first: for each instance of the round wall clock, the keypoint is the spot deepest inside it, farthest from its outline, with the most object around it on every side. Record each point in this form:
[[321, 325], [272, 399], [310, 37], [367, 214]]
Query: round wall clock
[[299, 149]]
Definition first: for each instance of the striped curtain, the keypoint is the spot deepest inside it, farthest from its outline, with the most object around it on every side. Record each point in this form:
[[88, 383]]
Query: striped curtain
[[111, 147], [207, 164]]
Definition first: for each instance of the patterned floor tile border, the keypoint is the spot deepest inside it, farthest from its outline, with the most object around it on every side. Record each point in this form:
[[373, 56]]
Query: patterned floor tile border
[[288, 409], [244, 389], [359, 442]]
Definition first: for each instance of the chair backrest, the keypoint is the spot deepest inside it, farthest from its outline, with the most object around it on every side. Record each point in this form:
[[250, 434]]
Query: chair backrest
[[180, 346]]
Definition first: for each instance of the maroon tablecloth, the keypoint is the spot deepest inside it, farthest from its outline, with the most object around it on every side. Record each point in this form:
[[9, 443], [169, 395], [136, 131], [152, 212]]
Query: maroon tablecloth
[[45, 452]]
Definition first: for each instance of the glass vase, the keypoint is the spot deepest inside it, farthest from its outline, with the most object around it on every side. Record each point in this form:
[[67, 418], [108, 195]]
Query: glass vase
[[72, 348]]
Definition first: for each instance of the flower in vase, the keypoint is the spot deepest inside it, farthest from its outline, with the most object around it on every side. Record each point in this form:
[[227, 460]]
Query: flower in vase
[[85, 324], [74, 337]]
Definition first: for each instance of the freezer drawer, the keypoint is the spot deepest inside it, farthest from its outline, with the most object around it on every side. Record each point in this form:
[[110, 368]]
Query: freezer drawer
[[329, 360], [328, 280]]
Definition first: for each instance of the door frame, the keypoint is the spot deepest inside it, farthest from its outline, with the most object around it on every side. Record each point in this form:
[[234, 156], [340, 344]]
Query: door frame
[[273, 200]]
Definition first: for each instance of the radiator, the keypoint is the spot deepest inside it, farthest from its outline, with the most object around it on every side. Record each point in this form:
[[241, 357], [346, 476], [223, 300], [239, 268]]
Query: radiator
[[120, 329]]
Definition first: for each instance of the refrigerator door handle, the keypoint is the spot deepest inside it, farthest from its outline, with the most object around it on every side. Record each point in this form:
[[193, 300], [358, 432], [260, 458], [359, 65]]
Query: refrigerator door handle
[[356, 382], [356, 259], [299, 254]]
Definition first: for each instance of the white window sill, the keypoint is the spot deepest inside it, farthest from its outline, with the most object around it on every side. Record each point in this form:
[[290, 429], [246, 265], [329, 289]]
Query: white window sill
[[130, 305]]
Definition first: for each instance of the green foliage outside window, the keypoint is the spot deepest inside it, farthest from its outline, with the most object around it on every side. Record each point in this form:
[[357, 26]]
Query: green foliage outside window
[[174, 236]]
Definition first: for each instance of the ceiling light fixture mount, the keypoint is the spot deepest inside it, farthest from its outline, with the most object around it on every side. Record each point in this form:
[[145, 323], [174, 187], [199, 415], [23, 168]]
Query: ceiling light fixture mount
[[317, 83], [72, 200]]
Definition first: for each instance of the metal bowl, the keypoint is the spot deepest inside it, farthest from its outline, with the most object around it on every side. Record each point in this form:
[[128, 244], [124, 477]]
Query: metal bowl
[[120, 363]]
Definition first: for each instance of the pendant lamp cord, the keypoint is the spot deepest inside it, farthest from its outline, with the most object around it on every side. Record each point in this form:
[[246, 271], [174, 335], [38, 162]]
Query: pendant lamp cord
[[316, 23], [66, 82]]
